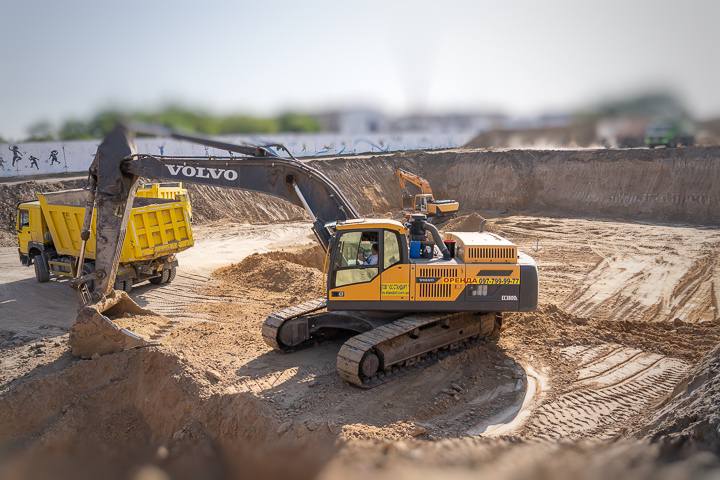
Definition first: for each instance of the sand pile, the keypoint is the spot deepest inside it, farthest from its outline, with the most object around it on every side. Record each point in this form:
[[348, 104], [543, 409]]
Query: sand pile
[[145, 411], [467, 223], [271, 272], [313, 257], [213, 203]]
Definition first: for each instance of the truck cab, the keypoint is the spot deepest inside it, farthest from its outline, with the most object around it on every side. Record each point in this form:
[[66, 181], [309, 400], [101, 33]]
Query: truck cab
[[32, 231]]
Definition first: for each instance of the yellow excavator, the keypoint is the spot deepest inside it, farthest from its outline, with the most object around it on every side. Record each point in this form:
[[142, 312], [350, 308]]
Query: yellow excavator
[[407, 294], [423, 201]]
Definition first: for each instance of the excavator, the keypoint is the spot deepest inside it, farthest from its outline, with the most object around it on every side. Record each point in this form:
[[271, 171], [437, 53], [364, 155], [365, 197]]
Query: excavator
[[407, 294], [423, 202]]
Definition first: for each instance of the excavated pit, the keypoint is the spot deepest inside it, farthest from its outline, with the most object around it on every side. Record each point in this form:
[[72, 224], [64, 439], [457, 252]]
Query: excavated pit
[[616, 373]]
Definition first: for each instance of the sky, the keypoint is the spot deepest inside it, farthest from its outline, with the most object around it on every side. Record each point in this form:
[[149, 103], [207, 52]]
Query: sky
[[64, 59]]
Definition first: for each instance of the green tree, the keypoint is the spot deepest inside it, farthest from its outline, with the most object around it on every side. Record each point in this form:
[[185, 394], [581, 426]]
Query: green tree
[[40, 131], [74, 130], [298, 122]]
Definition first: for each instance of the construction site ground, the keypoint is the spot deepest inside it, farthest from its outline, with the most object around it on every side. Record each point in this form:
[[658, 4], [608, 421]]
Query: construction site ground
[[615, 374]]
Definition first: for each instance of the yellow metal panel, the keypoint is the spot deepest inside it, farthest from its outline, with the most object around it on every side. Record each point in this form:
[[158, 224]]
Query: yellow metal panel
[[367, 291], [395, 283], [437, 283], [370, 223], [152, 230], [493, 274]]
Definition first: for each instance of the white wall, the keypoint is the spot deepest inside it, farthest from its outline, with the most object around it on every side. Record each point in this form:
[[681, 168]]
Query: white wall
[[76, 156]]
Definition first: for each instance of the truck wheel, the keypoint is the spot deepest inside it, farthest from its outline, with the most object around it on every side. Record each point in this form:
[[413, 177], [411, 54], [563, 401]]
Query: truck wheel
[[171, 274], [42, 269], [162, 278], [124, 285]]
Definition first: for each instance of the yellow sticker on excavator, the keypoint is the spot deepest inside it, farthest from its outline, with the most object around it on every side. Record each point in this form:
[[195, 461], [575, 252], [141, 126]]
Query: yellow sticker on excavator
[[394, 289], [481, 280]]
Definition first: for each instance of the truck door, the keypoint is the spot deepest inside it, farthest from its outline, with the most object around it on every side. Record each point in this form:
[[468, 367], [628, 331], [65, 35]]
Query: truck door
[[23, 229]]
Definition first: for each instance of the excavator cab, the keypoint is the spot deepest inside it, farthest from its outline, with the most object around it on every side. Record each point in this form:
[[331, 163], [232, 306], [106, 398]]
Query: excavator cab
[[356, 272], [421, 203]]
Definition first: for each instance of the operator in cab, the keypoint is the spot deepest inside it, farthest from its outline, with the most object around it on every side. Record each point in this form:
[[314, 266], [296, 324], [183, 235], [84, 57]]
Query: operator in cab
[[373, 258]]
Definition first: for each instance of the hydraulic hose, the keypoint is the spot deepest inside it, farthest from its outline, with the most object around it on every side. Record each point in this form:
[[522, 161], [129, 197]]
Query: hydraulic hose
[[437, 238]]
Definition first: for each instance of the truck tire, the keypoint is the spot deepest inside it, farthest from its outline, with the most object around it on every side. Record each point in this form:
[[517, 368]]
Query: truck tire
[[162, 278], [42, 269], [124, 285], [171, 274]]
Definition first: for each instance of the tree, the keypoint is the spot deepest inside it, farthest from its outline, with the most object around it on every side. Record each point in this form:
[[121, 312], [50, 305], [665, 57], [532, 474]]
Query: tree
[[74, 130], [40, 132], [298, 122]]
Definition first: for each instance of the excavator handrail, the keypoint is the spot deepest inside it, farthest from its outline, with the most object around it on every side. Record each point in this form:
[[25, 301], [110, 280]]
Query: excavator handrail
[[117, 167]]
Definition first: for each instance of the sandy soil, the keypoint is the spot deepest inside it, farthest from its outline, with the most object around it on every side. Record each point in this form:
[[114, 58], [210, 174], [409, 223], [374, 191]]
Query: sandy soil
[[573, 371], [615, 374]]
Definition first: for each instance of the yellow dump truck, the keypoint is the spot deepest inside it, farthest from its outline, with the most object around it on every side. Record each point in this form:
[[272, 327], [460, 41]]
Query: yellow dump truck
[[159, 227]]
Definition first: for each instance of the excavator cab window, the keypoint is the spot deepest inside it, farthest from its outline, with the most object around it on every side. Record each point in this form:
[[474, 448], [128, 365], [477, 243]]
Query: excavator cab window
[[421, 202], [354, 250], [391, 249]]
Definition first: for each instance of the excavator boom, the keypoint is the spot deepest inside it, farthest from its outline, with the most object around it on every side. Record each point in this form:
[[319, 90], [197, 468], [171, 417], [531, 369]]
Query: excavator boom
[[117, 167], [405, 177]]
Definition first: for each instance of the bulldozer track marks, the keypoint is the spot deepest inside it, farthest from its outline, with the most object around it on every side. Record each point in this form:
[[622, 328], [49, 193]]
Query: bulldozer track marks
[[175, 300], [612, 388]]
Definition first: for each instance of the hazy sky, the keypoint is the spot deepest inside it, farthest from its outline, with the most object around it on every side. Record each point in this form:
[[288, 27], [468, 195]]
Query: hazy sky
[[67, 58]]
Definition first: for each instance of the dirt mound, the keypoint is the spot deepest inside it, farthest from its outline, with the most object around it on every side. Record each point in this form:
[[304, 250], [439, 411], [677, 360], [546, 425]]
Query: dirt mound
[[71, 423], [313, 257], [690, 420], [467, 223], [272, 272]]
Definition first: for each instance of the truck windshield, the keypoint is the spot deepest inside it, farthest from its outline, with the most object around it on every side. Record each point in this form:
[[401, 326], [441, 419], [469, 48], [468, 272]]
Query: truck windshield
[[23, 218]]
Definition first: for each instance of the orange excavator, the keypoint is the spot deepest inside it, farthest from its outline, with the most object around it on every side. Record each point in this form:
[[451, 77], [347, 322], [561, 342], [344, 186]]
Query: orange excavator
[[422, 199]]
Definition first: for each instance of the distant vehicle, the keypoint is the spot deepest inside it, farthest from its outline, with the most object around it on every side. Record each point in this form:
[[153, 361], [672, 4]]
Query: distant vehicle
[[669, 133]]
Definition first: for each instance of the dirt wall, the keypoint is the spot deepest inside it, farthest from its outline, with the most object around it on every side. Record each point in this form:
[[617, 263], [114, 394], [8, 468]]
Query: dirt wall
[[663, 185]]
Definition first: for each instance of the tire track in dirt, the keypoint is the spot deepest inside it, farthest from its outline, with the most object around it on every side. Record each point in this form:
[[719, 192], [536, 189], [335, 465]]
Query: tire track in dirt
[[614, 385]]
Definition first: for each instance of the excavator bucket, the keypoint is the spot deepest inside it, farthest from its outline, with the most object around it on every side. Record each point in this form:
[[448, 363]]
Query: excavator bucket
[[95, 333]]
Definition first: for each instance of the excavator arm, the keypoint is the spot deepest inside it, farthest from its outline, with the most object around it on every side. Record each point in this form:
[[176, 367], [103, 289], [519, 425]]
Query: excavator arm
[[117, 168], [404, 177]]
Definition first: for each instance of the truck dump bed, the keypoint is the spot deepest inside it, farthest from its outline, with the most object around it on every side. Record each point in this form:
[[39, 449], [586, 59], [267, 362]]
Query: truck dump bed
[[156, 227]]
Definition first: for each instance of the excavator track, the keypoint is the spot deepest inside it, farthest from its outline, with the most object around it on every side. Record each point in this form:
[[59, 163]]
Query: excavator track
[[273, 323], [373, 357]]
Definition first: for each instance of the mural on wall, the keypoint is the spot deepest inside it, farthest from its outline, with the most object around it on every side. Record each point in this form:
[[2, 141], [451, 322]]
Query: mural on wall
[[48, 158]]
